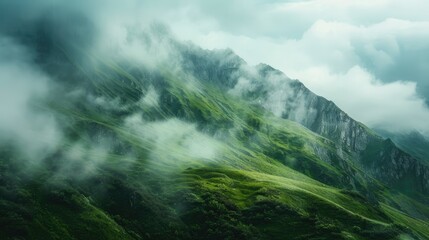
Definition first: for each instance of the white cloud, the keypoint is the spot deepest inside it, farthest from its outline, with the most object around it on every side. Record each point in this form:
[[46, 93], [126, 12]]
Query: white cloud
[[393, 106], [379, 57], [385, 39], [150, 99], [173, 141], [35, 132]]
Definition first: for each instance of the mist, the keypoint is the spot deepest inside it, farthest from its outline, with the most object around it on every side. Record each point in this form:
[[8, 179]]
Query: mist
[[22, 86], [358, 54], [51, 53], [155, 119], [57, 50]]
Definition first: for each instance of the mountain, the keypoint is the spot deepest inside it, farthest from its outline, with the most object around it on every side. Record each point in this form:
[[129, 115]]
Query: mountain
[[290, 99], [196, 144], [413, 142]]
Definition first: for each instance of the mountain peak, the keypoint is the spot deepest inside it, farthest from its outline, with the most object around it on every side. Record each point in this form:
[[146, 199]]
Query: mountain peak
[[186, 143]]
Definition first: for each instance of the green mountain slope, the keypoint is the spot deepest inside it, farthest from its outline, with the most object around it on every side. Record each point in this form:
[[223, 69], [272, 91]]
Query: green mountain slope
[[155, 153], [290, 99], [186, 143]]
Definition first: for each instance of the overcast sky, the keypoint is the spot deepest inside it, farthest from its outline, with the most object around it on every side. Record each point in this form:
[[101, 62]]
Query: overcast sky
[[371, 57]]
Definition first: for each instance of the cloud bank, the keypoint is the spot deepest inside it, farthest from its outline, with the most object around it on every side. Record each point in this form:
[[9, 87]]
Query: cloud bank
[[375, 51], [34, 131], [50, 53], [370, 57]]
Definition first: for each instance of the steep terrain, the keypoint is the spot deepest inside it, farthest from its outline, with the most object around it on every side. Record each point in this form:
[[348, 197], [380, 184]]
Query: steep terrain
[[413, 143], [202, 146], [290, 99]]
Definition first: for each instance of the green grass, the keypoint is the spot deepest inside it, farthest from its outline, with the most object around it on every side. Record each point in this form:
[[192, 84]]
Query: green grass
[[416, 225], [264, 180], [308, 206]]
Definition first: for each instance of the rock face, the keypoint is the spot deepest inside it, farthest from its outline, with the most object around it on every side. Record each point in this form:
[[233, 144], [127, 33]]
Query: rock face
[[399, 169], [413, 143], [379, 157], [290, 99], [325, 118]]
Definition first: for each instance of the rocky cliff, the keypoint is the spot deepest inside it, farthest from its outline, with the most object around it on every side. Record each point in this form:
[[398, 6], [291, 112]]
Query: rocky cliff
[[290, 99], [377, 156]]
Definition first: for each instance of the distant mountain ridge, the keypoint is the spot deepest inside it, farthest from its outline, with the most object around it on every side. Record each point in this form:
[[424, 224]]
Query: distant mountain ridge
[[375, 155], [187, 143], [412, 142]]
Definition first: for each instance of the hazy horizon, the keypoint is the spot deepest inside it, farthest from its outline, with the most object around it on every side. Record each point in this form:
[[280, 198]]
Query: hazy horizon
[[370, 57]]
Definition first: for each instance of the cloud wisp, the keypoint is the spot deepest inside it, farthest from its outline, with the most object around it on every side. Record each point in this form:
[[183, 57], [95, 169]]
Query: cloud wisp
[[386, 41], [50, 53], [35, 132], [370, 61]]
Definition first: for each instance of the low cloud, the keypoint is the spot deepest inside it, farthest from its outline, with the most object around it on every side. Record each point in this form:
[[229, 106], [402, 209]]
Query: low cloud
[[173, 143], [50, 49], [369, 57], [385, 41], [22, 122], [393, 106]]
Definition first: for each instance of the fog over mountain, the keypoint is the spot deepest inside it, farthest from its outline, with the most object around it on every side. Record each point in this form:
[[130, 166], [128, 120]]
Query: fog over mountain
[[222, 119], [371, 58]]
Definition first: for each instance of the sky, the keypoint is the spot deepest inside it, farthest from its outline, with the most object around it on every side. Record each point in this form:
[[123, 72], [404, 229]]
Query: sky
[[371, 57]]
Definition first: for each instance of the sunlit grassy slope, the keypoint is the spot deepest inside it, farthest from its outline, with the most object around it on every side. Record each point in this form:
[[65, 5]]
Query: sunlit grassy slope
[[162, 155]]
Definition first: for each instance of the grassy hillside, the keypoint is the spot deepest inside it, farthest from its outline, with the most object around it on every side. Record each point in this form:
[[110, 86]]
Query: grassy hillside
[[162, 155]]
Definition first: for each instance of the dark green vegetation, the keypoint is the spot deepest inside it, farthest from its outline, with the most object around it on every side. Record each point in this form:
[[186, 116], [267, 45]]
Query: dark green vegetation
[[152, 153]]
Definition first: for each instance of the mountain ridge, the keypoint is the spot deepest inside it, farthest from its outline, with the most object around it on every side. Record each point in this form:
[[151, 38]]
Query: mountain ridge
[[412, 142], [174, 150], [325, 118]]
